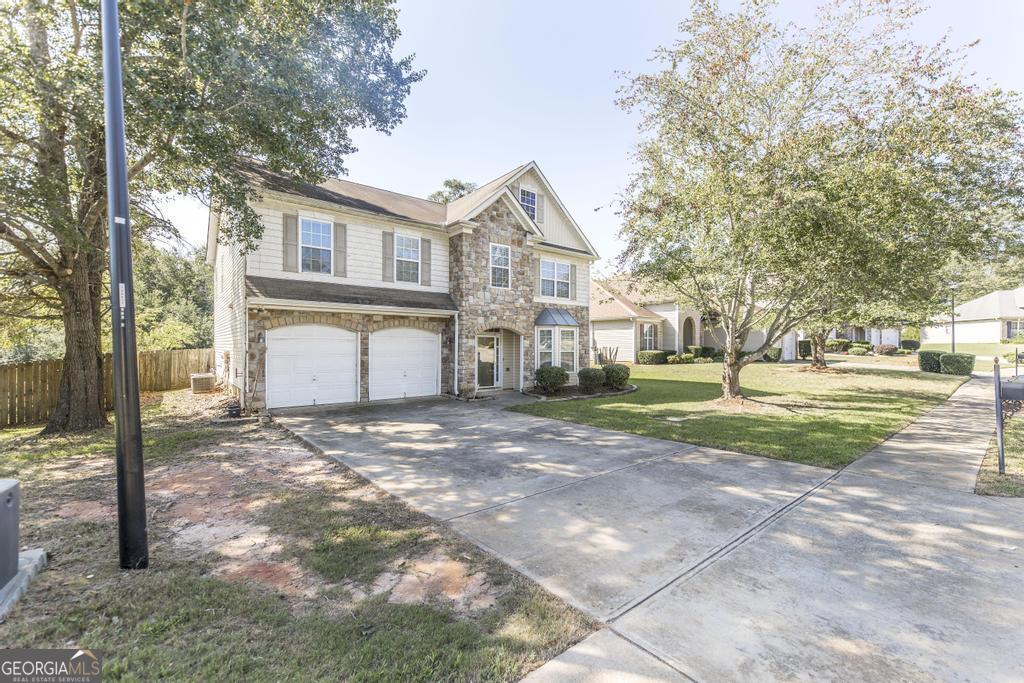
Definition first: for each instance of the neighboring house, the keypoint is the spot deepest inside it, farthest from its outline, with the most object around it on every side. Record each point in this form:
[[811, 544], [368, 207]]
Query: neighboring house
[[986, 320], [621, 327], [873, 335], [355, 293], [624, 321]]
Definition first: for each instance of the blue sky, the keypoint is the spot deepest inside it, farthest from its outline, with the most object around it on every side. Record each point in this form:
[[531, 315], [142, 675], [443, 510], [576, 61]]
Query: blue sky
[[536, 80]]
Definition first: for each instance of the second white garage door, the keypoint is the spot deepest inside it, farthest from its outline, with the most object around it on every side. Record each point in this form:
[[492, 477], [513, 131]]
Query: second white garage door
[[404, 362]]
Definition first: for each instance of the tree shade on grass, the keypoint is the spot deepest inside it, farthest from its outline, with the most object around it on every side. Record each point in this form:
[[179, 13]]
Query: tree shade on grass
[[824, 419]]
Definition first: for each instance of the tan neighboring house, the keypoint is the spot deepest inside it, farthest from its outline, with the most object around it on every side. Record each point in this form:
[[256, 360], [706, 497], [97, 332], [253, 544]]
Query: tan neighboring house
[[624, 321], [621, 327], [356, 293]]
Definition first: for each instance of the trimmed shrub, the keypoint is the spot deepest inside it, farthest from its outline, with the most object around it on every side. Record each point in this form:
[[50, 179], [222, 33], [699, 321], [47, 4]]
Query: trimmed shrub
[[652, 357], [694, 350], [772, 355], [551, 378], [861, 344], [703, 360], [837, 345], [857, 351], [956, 363], [928, 361], [910, 344], [591, 380], [616, 375], [885, 349], [804, 348], [708, 352], [685, 358]]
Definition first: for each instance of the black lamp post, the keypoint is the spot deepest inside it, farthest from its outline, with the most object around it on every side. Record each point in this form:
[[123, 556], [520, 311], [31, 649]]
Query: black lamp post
[[131, 495]]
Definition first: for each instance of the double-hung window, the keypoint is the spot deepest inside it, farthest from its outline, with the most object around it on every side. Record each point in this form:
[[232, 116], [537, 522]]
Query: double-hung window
[[647, 337], [554, 279], [501, 266], [1014, 328], [557, 345], [315, 242], [407, 258], [528, 200]]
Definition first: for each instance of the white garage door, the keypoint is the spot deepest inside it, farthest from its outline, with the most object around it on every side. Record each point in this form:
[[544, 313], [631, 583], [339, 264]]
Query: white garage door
[[404, 363], [311, 365]]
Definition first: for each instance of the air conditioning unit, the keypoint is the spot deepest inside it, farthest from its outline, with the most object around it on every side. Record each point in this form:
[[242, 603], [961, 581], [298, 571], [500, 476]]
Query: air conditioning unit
[[203, 382], [10, 501]]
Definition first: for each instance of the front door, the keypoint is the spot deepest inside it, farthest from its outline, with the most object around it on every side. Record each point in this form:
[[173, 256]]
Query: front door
[[488, 364]]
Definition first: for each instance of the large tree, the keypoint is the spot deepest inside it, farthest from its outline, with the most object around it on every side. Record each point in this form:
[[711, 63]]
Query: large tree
[[451, 189], [781, 169], [205, 82]]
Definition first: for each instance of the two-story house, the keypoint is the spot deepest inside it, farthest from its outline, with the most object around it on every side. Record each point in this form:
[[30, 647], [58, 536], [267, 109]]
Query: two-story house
[[360, 294]]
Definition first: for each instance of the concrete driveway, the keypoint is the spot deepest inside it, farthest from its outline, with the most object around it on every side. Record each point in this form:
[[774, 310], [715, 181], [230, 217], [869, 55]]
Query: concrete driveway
[[705, 564]]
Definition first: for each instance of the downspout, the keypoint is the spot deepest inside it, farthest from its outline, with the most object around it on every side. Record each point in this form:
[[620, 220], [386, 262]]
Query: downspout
[[455, 361]]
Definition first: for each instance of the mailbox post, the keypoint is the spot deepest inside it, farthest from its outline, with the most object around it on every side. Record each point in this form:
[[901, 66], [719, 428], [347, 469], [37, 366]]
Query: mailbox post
[[999, 412]]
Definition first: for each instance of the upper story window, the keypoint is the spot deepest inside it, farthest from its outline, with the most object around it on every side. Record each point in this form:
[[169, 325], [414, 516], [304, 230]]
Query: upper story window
[[315, 242], [554, 279], [648, 337], [528, 198], [501, 266], [407, 258]]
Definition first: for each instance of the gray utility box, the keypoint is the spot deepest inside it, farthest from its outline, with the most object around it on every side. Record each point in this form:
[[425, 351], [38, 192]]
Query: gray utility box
[[10, 501]]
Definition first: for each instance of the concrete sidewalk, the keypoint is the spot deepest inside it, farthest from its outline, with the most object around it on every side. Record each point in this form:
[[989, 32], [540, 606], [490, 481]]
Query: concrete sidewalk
[[944, 447]]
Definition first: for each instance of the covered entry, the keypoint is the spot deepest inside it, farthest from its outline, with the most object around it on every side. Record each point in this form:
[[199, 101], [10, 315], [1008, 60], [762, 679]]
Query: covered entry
[[498, 359]]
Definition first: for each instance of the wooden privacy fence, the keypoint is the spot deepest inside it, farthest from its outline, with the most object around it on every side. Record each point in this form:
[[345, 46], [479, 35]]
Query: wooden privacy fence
[[28, 391]]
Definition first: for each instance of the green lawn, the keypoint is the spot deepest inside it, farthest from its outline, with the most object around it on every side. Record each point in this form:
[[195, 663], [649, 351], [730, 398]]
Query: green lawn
[[267, 563], [825, 419], [990, 482]]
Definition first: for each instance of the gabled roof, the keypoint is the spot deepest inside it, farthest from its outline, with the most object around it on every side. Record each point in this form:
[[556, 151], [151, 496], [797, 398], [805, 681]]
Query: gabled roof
[[608, 304], [482, 196], [1003, 303]]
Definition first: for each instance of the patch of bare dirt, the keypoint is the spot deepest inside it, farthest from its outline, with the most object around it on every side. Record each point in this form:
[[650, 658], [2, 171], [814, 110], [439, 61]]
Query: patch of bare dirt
[[87, 511]]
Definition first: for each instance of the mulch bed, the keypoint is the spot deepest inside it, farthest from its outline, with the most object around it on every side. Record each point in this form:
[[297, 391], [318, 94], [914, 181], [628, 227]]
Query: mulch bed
[[570, 392]]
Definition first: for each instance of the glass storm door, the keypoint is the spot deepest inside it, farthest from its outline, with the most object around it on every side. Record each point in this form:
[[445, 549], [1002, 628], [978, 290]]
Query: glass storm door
[[487, 361]]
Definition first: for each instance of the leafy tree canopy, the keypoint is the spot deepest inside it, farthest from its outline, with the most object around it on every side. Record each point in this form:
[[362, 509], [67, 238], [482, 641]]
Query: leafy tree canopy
[[786, 174], [451, 189]]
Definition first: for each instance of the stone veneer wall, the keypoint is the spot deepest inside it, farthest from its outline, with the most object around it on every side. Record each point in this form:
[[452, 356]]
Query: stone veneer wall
[[261, 321], [482, 307]]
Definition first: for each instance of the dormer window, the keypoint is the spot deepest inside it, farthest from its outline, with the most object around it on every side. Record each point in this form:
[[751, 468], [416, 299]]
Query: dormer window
[[528, 198]]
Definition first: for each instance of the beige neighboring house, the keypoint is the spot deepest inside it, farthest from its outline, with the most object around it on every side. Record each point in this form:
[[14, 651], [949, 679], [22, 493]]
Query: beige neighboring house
[[356, 293], [624, 324], [986, 320], [621, 327]]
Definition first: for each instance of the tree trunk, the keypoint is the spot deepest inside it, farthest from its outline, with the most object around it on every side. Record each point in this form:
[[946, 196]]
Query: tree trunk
[[80, 401], [818, 351], [731, 379]]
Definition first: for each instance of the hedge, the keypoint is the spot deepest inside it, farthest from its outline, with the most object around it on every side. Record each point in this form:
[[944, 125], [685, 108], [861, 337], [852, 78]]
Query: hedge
[[697, 351], [591, 379], [616, 375], [804, 348], [680, 359], [708, 352], [772, 355], [928, 361], [551, 378], [837, 344], [910, 344], [652, 357], [857, 351], [956, 363]]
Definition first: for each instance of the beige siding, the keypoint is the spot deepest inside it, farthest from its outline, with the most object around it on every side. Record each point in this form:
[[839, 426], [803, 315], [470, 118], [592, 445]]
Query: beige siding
[[509, 359], [582, 280], [229, 315], [967, 332], [364, 242], [670, 327], [616, 335], [557, 227]]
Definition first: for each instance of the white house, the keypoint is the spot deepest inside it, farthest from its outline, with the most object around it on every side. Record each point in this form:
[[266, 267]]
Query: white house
[[986, 320], [622, 324], [356, 293]]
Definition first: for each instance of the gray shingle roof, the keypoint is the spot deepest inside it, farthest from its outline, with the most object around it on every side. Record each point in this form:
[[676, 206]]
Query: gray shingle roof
[[339, 293], [556, 316]]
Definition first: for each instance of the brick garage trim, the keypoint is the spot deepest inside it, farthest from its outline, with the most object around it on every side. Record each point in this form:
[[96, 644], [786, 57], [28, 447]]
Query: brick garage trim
[[262, 321]]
